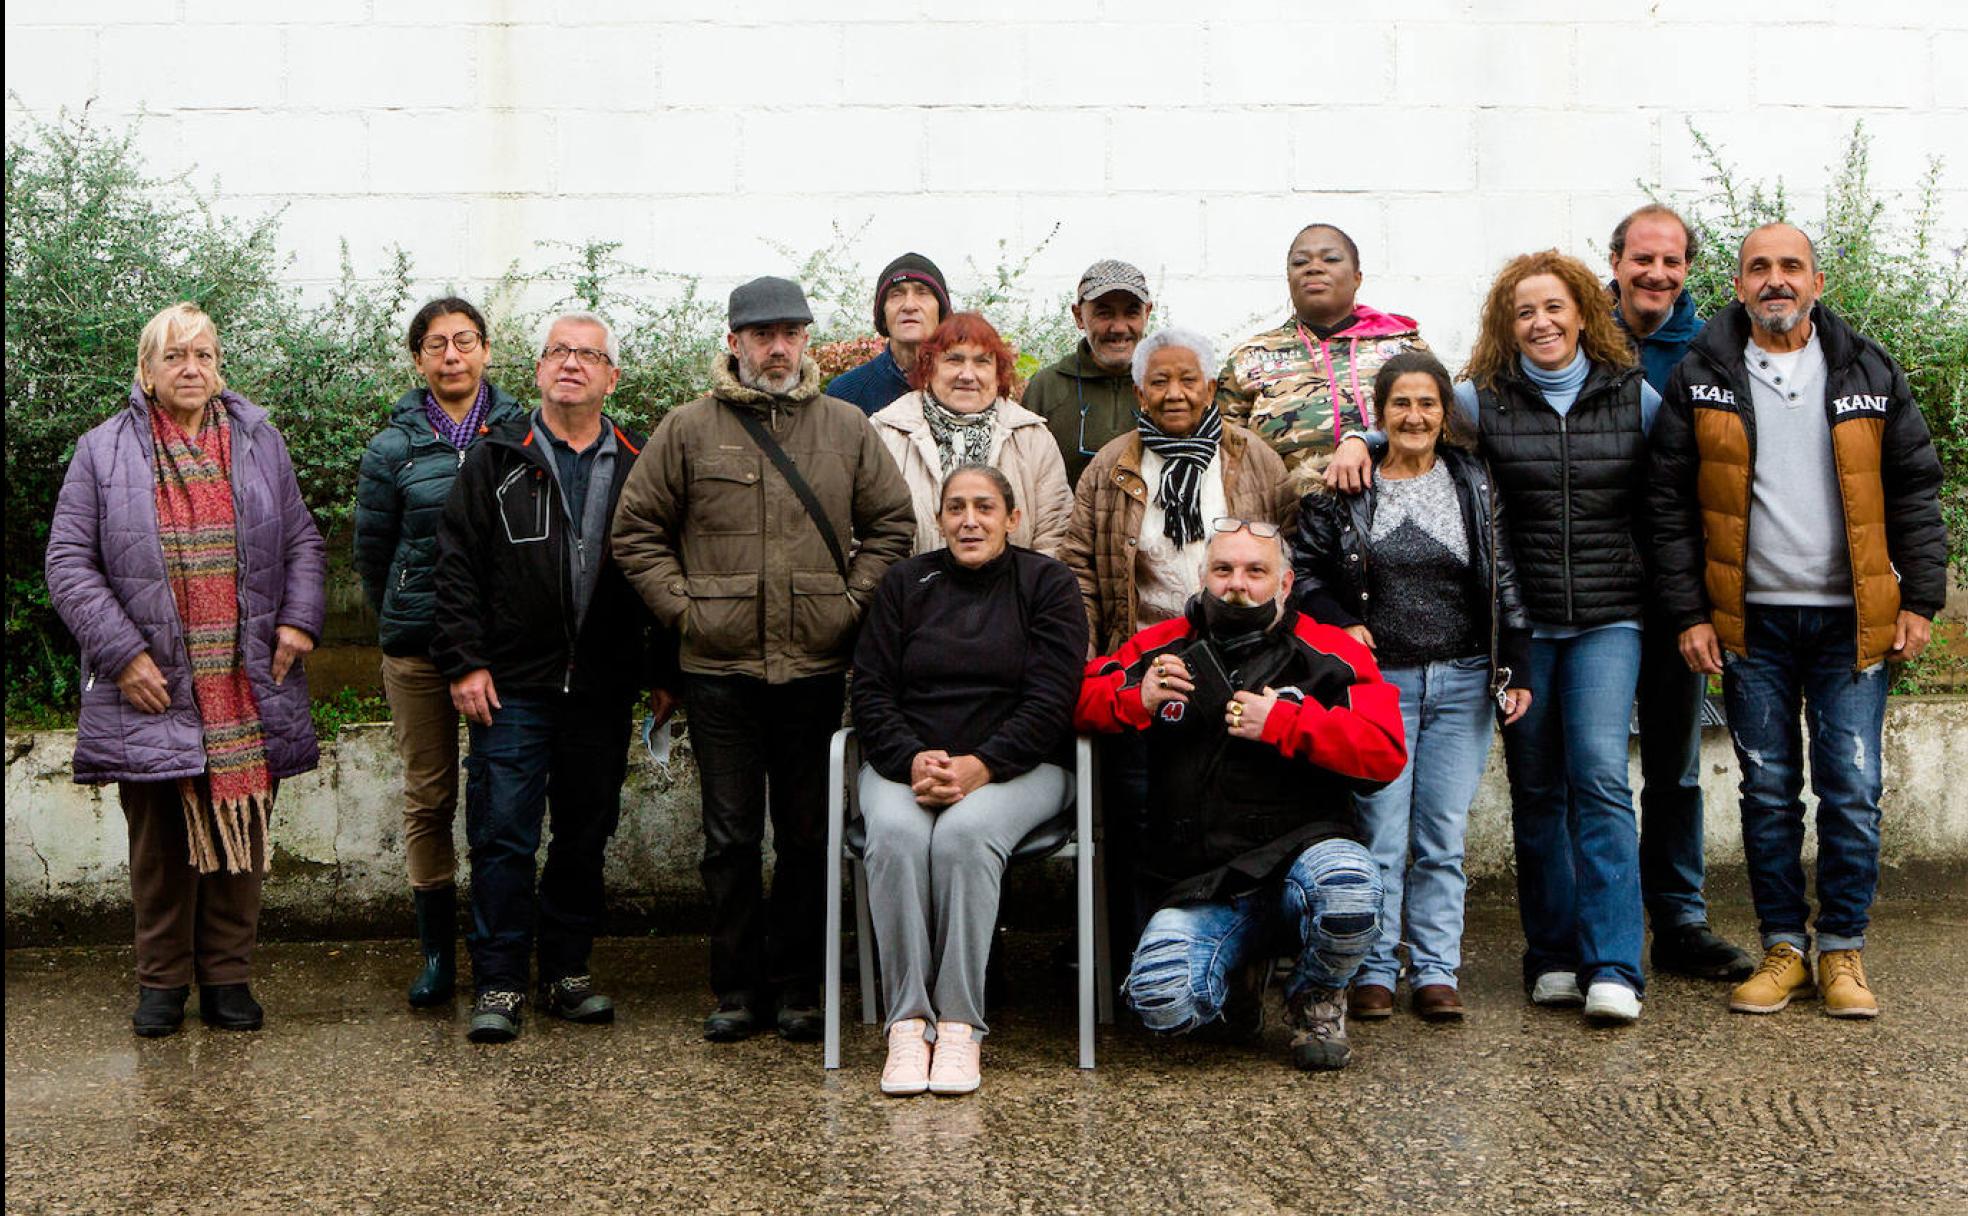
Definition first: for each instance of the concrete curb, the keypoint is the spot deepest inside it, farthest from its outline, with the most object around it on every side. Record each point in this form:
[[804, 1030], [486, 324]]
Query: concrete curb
[[338, 868]]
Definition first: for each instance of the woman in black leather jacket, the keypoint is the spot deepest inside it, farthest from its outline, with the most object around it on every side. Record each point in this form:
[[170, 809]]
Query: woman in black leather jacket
[[1417, 568]]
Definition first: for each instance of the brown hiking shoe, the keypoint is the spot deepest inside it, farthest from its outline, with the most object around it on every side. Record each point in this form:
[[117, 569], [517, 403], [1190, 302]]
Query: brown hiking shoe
[[1783, 975], [1842, 981]]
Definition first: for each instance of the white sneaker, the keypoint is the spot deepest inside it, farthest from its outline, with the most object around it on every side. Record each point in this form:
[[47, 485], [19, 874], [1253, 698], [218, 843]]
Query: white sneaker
[[1558, 989], [907, 1069], [1611, 1003], [955, 1069]]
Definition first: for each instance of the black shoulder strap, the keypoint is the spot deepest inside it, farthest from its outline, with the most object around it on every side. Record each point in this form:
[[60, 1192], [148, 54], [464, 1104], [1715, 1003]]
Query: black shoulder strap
[[755, 427]]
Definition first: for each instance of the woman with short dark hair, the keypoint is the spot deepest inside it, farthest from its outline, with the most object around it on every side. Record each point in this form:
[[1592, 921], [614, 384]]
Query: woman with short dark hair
[[1416, 568], [406, 473], [964, 682]]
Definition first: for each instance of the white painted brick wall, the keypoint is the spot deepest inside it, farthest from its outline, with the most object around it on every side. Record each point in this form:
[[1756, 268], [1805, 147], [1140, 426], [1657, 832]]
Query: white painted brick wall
[[1192, 139]]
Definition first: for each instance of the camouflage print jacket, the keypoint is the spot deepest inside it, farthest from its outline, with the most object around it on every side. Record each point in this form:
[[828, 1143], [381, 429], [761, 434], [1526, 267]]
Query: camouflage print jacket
[[1292, 389]]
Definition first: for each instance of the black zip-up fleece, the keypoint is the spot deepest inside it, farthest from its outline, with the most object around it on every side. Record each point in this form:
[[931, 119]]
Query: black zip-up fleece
[[505, 601]]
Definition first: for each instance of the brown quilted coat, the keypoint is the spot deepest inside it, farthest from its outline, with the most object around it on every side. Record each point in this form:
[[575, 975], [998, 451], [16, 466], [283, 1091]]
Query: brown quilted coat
[[1107, 510]]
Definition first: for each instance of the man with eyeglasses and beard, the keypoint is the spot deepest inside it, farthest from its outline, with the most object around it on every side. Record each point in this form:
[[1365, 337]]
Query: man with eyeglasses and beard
[[758, 527], [546, 646], [1261, 724]]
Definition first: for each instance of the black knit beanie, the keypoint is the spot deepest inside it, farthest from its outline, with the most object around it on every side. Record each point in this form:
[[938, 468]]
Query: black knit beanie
[[922, 270]]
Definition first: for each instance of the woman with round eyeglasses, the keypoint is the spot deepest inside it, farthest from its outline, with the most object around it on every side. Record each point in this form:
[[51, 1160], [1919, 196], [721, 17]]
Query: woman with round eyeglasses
[[406, 473]]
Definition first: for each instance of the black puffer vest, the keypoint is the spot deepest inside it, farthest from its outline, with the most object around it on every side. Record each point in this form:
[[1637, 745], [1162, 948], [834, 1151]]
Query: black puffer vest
[[1572, 487]]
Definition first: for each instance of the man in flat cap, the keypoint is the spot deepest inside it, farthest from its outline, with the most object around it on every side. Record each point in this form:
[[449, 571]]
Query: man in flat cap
[[911, 300], [756, 525]]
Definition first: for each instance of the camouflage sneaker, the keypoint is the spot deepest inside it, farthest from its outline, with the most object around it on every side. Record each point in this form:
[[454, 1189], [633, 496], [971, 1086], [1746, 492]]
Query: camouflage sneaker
[[1317, 1017], [572, 998], [495, 1016]]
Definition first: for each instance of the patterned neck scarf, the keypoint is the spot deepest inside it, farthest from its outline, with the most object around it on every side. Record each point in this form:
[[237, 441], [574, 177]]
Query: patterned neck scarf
[[961, 439], [461, 433], [1184, 459], [196, 525]]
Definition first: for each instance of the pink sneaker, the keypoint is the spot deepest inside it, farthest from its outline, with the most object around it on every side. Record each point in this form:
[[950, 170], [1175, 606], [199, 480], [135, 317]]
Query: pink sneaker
[[907, 1069], [956, 1068]]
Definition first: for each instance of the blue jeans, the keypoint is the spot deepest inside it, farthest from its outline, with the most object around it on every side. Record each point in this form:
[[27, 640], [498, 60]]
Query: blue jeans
[[1415, 824], [1803, 658], [1671, 863], [569, 753], [1571, 810], [1326, 910]]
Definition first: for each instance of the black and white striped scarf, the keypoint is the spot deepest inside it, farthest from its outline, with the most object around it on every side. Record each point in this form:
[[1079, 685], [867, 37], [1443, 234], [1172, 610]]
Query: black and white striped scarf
[[1184, 459]]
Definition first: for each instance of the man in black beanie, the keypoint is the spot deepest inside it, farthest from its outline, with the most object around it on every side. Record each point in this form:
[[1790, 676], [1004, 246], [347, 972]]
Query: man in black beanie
[[911, 300]]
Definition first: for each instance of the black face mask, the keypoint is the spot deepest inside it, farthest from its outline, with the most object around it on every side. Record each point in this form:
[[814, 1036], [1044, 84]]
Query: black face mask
[[1237, 627]]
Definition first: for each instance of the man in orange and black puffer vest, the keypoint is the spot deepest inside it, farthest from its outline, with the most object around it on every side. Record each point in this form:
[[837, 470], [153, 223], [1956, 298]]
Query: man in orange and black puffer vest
[[1799, 546]]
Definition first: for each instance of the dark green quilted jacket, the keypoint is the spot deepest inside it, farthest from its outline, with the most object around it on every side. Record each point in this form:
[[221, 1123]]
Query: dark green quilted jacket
[[406, 473]]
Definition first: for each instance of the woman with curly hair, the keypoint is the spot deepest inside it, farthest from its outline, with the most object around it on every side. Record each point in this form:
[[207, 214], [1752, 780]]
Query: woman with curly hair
[[1564, 412]]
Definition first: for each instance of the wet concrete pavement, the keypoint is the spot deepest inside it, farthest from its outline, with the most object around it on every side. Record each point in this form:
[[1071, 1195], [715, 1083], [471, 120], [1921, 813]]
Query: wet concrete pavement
[[349, 1101]]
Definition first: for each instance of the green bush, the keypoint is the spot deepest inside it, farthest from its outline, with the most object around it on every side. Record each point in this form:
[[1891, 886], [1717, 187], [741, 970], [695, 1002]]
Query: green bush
[[95, 246], [1889, 271]]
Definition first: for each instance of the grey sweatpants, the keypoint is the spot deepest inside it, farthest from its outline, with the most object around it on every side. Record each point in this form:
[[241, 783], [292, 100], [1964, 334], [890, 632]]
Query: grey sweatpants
[[933, 879]]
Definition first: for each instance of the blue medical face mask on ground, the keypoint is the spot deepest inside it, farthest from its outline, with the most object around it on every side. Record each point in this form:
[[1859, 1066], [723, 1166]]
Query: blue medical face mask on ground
[[656, 740]]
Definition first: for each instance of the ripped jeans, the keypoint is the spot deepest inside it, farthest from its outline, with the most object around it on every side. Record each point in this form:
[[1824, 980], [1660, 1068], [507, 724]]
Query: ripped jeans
[[1327, 910], [1802, 659]]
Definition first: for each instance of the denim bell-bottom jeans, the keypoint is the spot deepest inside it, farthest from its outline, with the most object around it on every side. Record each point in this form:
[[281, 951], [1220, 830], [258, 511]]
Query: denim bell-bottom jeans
[[1804, 659], [1326, 911], [1571, 810], [1415, 824]]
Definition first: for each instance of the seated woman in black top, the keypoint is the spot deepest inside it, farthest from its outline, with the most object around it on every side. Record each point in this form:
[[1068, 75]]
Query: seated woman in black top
[[964, 682]]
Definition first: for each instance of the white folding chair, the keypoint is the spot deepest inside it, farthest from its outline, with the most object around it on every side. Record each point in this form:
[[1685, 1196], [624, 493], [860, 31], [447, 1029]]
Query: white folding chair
[[1071, 834]]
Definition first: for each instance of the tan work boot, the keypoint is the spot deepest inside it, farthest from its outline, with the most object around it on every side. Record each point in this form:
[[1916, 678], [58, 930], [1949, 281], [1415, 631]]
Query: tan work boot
[[1842, 981], [1783, 974]]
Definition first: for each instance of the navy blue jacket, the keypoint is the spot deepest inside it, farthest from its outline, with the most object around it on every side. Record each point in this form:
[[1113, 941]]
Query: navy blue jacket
[[873, 385], [1661, 351]]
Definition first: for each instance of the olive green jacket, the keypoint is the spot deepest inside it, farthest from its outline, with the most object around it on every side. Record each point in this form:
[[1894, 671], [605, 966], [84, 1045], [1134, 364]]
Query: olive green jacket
[[721, 549], [1083, 405]]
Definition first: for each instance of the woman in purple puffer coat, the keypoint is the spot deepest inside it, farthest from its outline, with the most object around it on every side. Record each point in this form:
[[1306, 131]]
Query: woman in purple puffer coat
[[183, 560]]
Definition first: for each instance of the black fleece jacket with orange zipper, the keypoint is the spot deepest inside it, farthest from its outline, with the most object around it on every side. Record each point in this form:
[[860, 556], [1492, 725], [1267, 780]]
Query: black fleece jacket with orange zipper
[[505, 599]]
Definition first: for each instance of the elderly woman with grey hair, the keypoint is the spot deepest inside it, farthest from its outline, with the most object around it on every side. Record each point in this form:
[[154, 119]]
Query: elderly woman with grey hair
[[184, 561], [1142, 514], [1142, 510]]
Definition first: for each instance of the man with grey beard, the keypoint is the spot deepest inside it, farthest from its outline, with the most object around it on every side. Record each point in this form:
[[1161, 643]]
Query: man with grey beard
[[756, 526], [1797, 535]]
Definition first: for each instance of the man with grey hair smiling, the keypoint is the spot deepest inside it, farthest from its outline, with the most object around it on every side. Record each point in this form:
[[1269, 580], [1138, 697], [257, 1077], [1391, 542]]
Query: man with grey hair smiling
[[1141, 515], [546, 646]]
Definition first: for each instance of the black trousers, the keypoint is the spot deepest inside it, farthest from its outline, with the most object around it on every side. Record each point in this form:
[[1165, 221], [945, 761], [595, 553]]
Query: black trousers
[[751, 737]]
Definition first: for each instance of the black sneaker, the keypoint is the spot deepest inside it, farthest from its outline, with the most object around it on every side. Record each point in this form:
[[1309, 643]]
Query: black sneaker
[[573, 998], [229, 1007], [495, 1016], [1696, 950], [731, 1021], [800, 1020], [160, 1011]]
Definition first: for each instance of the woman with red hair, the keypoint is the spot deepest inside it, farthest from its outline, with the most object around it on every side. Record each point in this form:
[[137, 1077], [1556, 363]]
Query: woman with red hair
[[960, 413]]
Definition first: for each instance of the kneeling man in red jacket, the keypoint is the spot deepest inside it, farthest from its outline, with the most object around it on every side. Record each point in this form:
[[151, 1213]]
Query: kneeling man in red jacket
[[1261, 725]]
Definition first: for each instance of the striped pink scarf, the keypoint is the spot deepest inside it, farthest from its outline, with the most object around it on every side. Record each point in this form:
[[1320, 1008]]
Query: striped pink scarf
[[195, 522]]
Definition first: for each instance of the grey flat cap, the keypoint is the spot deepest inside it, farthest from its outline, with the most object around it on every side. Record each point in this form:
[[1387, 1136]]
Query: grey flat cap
[[767, 300]]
